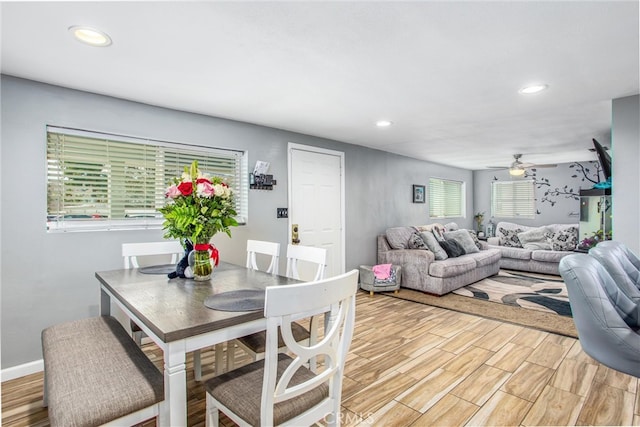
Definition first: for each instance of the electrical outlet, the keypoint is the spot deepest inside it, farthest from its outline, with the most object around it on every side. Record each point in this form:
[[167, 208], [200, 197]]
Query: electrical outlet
[[282, 213]]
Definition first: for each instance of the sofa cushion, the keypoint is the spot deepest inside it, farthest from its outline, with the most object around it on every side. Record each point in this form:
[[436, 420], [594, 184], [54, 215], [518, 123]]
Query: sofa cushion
[[464, 239], [548, 256], [564, 240], [398, 237], [515, 253], [509, 238], [535, 238], [452, 266], [452, 248], [433, 245], [416, 242], [487, 257]]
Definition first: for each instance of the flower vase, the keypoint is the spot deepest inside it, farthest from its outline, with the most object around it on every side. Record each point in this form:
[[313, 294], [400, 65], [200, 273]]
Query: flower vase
[[201, 265]]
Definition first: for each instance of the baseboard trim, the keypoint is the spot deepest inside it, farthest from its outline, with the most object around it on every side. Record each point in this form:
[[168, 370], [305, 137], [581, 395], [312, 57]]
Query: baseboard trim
[[22, 370]]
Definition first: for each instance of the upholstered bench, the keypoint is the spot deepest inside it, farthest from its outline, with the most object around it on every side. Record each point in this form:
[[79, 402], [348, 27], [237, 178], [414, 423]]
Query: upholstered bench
[[94, 373]]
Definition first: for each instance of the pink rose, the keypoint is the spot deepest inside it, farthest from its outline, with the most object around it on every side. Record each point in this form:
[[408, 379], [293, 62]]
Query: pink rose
[[205, 189], [173, 192]]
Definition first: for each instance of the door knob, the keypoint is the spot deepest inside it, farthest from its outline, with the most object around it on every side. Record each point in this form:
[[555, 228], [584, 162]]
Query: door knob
[[294, 234]]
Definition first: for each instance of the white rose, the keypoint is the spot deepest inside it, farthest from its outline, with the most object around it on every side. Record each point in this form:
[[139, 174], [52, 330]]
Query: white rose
[[219, 190]]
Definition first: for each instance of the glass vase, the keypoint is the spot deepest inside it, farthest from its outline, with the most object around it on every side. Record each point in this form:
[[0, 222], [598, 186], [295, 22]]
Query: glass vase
[[201, 265]]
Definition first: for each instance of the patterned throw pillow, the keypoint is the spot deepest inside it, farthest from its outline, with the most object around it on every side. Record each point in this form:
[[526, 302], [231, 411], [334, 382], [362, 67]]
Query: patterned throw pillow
[[509, 238], [416, 242], [564, 240]]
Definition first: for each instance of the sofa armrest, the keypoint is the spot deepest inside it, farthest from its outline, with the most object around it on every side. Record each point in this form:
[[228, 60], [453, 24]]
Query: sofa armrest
[[493, 241]]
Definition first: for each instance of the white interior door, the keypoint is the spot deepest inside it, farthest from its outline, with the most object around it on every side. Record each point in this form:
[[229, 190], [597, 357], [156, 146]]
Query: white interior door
[[316, 202]]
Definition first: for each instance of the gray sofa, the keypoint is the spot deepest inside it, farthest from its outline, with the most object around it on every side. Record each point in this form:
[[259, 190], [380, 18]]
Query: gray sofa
[[532, 248], [421, 271]]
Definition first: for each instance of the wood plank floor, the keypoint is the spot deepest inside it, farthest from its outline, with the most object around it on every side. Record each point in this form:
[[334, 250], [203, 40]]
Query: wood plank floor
[[417, 365]]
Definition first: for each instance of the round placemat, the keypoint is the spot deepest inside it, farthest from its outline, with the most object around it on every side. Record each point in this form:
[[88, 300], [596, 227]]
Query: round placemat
[[240, 300], [158, 269]]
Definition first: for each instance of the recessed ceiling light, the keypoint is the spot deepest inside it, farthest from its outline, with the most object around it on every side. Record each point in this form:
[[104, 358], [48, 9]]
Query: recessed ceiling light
[[90, 36], [383, 123], [533, 89]]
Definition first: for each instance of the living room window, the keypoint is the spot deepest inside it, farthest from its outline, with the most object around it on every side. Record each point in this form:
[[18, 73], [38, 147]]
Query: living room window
[[98, 181], [513, 199], [446, 198]]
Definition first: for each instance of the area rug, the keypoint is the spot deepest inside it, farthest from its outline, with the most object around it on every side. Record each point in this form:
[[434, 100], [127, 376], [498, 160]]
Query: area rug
[[533, 291], [547, 321]]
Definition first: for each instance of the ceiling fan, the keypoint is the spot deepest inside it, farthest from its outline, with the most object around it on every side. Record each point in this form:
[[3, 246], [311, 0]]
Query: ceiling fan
[[517, 168]]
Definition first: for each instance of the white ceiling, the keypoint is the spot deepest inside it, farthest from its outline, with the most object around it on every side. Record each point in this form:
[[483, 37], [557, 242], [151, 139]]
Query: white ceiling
[[446, 73]]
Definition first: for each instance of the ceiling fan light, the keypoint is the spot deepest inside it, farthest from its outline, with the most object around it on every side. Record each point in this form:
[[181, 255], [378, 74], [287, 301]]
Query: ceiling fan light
[[516, 171]]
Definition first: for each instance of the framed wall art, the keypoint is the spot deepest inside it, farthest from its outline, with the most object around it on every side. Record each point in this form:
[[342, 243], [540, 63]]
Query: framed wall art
[[418, 194]]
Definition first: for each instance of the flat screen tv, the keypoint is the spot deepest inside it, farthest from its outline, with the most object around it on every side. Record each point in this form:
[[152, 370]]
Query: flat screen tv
[[604, 158]]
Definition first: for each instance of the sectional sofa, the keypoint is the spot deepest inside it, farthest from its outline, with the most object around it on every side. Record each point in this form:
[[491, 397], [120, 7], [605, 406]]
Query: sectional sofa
[[422, 271], [534, 249]]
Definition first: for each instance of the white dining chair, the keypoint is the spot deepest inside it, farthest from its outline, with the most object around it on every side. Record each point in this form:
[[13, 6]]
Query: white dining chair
[[310, 254], [280, 390], [131, 252], [272, 249], [254, 344]]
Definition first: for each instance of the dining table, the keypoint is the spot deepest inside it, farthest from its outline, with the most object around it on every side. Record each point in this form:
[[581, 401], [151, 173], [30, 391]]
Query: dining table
[[172, 312]]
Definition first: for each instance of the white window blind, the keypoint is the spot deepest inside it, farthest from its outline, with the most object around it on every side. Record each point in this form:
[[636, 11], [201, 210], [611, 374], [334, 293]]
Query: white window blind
[[100, 181], [513, 199], [446, 198]]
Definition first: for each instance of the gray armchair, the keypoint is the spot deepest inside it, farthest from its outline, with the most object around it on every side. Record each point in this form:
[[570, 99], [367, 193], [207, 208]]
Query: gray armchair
[[618, 265], [614, 244], [606, 319]]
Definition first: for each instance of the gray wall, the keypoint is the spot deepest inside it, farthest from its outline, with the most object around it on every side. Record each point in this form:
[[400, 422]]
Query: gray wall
[[562, 184], [49, 278], [625, 190]]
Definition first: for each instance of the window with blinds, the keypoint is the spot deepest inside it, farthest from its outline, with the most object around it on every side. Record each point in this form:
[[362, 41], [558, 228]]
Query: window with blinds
[[100, 181], [513, 199], [446, 198]]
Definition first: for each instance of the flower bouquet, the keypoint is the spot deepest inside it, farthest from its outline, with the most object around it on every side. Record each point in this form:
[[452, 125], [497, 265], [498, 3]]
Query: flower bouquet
[[199, 207]]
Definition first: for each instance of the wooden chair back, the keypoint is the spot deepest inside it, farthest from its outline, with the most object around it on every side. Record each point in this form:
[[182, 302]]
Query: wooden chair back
[[296, 253], [272, 249], [131, 251]]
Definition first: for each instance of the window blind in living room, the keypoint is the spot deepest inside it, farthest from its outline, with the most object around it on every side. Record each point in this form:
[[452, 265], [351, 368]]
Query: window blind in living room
[[98, 181], [513, 199], [446, 198]]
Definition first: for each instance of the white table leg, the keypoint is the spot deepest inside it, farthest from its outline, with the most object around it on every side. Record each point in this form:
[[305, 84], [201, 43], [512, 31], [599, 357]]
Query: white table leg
[[105, 303], [219, 349], [174, 412]]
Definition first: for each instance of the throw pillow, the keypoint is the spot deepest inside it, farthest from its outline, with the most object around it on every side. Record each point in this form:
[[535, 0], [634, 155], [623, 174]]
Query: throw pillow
[[398, 237], [416, 242], [564, 240], [451, 226], [452, 248], [464, 239], [509, 238], [474, 236], [433, 245], [535, 238]]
